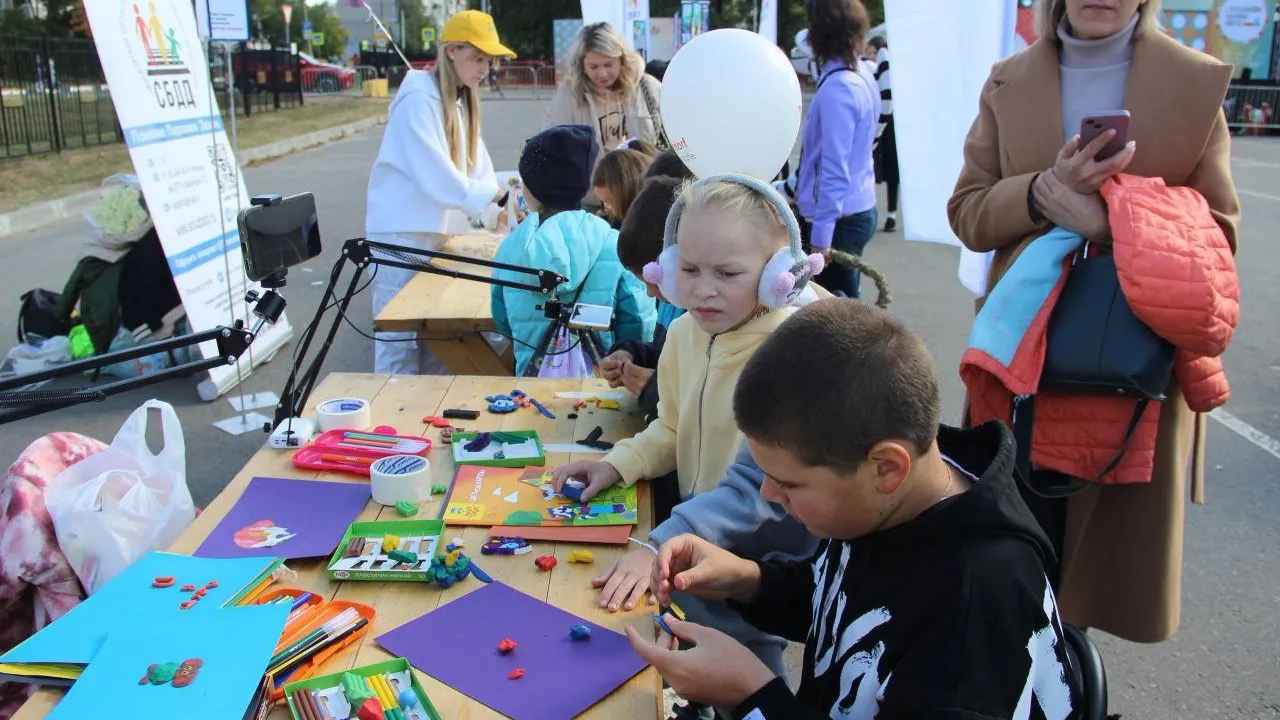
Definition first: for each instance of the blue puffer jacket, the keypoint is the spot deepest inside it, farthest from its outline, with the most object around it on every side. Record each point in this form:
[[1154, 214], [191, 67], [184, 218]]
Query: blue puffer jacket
[[582, 248]]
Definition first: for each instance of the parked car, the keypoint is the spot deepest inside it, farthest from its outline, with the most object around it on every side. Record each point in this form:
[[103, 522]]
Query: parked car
[[321, 76]]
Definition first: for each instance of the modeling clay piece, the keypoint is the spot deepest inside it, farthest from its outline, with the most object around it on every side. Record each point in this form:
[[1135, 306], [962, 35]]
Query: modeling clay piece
[[403, 556], [163, 582], [188, 588], [478, 443], [515, 674], [186, 604], [187, 672], [159, 673], [572, 489], [506, 546], [370, 709], [439, 488], [608, 404], [458, 542], [408, 699], [434, 421], [406, 509], [545, 563], [581, 556], [502, 406], [390, 542], [507, 645], [446, 435], [211, 585], [579, 632], [355, 689]]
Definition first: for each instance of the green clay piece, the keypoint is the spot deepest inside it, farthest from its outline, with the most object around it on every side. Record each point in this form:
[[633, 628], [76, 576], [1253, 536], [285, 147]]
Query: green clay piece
[[162, 673], [355, 689], [439, 488], [403, 556], [406, 509], [524, 517]]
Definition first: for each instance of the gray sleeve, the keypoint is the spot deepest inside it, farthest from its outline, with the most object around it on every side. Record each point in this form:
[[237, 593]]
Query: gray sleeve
[[729, 514]]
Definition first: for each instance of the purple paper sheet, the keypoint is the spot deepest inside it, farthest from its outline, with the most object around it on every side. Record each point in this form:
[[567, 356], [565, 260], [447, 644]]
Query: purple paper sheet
[[316, 513], [457, 644]]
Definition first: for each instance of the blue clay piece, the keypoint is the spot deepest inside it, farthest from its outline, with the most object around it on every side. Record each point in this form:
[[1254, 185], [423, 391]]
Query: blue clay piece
[[579, 632], [408, 699]]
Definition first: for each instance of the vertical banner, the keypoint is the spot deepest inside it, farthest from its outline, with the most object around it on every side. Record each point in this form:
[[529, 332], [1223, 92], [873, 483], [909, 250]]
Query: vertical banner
[[695, 19], [637, 27], [610, 11], [1239, 32], [159, 79], [938, 75], [769, 20]]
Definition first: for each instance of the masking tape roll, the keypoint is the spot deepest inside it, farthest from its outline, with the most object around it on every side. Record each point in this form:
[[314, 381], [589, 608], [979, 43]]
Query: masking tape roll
[[399, 478], [343, 414]]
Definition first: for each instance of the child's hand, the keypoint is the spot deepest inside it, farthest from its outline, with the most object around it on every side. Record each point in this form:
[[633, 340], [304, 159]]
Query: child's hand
[[626, 581], [634, 378], [718, 671], [689, 564], [611, 366], [597, 475]]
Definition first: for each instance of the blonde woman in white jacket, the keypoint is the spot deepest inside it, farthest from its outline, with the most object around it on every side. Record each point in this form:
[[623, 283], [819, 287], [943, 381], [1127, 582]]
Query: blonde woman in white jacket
[[433, 169]]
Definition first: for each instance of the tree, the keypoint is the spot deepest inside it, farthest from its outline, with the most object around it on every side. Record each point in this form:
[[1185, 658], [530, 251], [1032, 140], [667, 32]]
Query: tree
[[267, 15], [49, 17]]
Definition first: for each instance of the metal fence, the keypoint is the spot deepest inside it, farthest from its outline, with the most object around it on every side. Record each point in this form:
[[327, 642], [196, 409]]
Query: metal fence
[[1252, 109], [54, 96]]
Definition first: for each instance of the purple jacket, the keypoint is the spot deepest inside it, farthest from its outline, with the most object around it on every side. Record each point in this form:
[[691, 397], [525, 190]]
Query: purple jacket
[[836, 176]]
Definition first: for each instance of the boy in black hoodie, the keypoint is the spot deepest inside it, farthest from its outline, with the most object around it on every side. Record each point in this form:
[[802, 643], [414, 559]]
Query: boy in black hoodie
[[928, 597]]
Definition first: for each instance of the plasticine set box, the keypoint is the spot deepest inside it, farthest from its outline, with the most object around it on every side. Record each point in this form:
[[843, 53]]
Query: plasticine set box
[[390, 683], [362, 556]]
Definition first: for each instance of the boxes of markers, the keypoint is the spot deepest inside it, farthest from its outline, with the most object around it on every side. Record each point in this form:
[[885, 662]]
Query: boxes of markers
[[314, 632], [499, 448], [354, 451], [363, 553], [390, 685]]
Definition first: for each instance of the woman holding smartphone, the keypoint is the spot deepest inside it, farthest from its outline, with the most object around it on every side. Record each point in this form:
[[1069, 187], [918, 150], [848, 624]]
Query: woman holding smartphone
[[433, 169], [1025, 171]]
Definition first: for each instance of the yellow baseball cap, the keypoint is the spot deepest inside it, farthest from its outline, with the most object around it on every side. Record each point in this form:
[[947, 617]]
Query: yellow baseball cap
[[475, 28]]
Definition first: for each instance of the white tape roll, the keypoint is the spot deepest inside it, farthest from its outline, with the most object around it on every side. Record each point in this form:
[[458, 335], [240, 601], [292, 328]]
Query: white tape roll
[[343, 414], [399, 478]]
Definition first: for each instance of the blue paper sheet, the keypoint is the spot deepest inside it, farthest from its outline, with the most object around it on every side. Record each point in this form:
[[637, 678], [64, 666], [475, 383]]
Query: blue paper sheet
[[233, 646], [129, 601]]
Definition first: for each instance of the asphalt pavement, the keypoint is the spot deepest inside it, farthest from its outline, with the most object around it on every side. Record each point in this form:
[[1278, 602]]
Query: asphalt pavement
[[1224, 662]]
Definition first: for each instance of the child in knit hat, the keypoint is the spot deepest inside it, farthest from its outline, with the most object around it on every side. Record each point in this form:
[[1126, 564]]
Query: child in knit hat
[[555, 169]]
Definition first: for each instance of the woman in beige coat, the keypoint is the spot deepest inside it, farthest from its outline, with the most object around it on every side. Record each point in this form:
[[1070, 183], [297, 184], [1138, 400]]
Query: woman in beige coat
[[1120, 545], [605, 87]]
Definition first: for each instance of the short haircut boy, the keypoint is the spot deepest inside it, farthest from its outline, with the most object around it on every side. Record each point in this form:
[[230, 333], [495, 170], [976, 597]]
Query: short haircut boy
[[640, 238], [669, 164], [864, 377]]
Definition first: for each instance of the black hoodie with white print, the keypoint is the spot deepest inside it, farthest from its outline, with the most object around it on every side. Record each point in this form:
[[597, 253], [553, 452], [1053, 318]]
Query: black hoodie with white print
[[946, 616]]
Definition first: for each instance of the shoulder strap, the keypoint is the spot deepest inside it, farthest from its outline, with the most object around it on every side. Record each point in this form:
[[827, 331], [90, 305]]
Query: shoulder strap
[[827, 77], [655, 115]]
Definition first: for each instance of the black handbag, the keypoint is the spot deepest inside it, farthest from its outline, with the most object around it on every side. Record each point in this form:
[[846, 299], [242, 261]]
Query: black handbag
[[1094, 346], [36, 316]]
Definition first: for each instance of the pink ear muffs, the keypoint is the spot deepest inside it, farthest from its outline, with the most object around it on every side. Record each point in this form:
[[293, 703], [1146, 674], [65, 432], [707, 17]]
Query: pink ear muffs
[[784, 278], [663, 273]]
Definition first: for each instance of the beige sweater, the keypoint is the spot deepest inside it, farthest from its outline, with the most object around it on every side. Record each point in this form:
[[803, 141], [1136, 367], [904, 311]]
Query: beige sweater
[[566, 109]]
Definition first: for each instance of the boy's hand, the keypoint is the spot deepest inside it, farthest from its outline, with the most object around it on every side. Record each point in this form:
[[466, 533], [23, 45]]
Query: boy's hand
[[634, 378], [626, 581], [611, 366], [718, 671], [688, 563], [597, 475]]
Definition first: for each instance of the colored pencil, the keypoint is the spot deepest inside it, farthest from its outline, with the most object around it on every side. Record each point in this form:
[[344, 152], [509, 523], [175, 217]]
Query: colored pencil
[[314, 638], [253, 594], [300, 601], [369, 437], [286, 670], [353, 459], [339, 620]]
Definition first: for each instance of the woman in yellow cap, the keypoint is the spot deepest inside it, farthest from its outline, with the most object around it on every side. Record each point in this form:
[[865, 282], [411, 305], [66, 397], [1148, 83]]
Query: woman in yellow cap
[[433, 169]]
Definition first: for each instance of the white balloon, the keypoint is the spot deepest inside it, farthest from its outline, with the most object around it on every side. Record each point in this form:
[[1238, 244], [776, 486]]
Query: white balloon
[[731, 104]]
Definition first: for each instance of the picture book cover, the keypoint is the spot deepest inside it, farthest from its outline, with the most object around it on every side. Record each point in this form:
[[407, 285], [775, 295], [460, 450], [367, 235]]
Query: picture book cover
[[206, 665], [157, 585], [524, 496]]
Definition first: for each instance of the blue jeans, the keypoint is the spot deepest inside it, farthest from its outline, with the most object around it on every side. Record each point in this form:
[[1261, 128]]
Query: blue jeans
[[852, 234]]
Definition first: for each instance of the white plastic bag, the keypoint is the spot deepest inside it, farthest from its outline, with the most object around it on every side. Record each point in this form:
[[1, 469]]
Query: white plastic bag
[[112, 507]]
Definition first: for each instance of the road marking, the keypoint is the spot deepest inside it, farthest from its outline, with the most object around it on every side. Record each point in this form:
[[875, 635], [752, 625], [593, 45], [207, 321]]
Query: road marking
[[1263, 196], [1248, 432], [1245, 162]]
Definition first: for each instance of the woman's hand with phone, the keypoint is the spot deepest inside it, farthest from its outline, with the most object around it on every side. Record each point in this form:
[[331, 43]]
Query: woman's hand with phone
[[1080, 170]]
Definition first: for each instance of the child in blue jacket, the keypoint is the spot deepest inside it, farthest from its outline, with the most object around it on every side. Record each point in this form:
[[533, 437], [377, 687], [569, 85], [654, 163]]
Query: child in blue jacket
[[559, 236]]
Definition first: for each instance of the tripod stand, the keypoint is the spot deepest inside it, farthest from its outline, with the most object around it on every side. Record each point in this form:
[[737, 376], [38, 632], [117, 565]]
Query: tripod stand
[[583, 336]]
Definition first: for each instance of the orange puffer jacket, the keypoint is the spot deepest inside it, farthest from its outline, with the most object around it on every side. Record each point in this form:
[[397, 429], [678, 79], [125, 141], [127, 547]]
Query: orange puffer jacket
[[1178, 274]]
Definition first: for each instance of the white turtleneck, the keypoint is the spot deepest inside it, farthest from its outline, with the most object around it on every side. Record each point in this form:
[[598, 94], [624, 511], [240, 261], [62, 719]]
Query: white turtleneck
[[1094, 74]]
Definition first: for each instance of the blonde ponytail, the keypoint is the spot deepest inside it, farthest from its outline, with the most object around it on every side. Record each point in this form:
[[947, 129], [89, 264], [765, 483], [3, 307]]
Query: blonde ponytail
[[447, 79]]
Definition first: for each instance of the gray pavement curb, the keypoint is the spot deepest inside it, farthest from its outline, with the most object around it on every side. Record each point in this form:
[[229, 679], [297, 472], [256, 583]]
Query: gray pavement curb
[[38, 215]]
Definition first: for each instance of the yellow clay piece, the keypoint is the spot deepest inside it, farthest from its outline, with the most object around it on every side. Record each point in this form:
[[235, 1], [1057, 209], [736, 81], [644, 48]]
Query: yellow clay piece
[[581, 556]]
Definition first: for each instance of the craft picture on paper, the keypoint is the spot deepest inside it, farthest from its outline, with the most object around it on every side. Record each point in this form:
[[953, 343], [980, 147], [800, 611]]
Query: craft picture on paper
[[525, 496], [261, 534]]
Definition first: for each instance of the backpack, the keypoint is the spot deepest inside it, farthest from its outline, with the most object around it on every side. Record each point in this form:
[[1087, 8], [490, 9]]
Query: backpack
[[36, 315]]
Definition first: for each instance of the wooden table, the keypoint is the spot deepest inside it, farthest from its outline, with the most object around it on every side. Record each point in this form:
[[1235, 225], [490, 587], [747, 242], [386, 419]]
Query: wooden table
[[402, 401], [444, 307]]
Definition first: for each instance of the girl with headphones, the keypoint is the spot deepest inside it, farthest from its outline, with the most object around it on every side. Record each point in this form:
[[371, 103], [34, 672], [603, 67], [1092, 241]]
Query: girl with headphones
[[433, 169]]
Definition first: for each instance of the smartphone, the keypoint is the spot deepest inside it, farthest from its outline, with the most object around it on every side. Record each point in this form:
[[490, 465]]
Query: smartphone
[[278, 233], [1097, 123]]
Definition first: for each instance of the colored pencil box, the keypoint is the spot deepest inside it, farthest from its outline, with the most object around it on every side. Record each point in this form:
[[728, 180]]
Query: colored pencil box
[[315, 613], [389, 682], [354, 451]]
